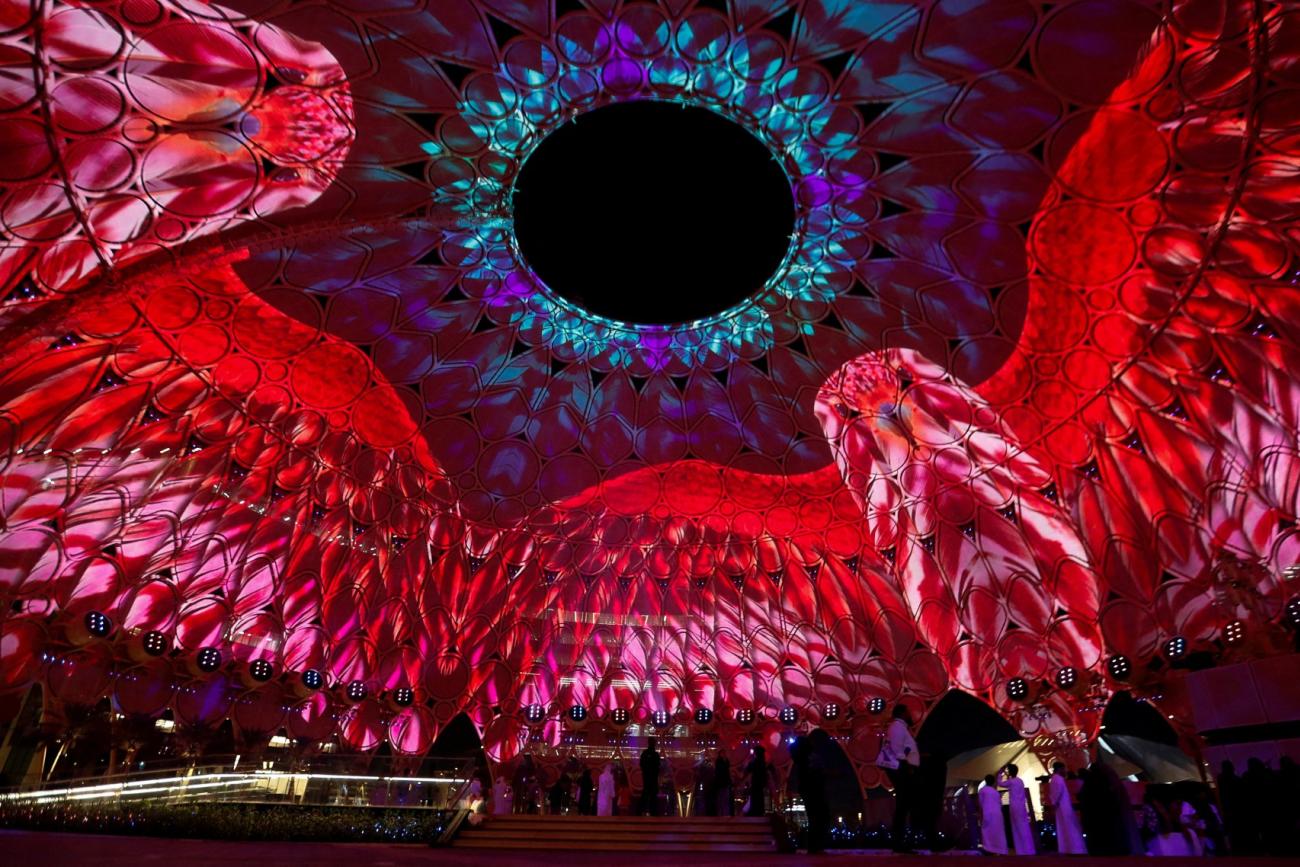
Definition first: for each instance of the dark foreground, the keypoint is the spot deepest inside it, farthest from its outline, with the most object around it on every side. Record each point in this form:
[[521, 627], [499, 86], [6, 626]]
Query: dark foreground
[[35, 848]]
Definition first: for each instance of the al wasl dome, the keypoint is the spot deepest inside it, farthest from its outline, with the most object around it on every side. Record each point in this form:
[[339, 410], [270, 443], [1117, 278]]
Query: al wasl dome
[[570, 372]]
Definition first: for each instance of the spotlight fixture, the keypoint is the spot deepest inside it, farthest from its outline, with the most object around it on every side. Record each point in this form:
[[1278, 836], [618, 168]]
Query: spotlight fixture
[[745, 716], [534, 714], [1018, 689], [1067, 677], [403, 696], [788, 715], [578, 713], [1119, 667], [154, 643], [620, 716], [208, 659], [1176, 648], [876, 706], [313, 679], [703, 716], [98, 624], [831, 712], [660, 718], [1234, 632], [1292, 615], [261, 670], [356, 691]]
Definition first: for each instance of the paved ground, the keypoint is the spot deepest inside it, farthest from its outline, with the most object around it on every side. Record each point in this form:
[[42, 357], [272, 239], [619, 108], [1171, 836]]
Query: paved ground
[[31, 849]]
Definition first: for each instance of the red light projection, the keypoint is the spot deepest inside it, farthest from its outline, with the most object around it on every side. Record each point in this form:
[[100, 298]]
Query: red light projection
[[130, 133], [257, 397]]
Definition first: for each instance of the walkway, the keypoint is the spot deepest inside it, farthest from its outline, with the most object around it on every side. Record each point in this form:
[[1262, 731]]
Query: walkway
[[30, 847]]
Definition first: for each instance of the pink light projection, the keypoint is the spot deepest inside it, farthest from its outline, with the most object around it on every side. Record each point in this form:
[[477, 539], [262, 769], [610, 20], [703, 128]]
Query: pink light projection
[[275, 383]]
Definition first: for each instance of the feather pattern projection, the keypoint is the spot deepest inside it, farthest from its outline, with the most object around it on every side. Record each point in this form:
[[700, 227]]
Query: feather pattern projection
[[1154, 372], [1022, 396], [978, 548], [146, 134]]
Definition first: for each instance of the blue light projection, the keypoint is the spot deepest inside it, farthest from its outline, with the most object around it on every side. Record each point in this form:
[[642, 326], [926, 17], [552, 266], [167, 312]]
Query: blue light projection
[[504, 116]]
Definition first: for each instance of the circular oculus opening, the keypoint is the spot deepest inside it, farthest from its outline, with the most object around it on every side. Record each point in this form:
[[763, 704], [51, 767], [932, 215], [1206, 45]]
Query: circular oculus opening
[[653, 213]]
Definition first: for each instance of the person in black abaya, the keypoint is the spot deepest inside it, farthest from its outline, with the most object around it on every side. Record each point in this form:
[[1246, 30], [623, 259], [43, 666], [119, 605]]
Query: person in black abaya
[[1261, 802], [1288, 789], [703, 802], [585, 787], [757, 783], [1108, 823], [1242, 836], [929, 792], [811, 781], [524, 781], [722, 785], [559, 794], [650, 779]]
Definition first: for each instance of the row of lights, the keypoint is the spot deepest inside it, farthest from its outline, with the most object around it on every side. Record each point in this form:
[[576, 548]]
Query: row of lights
[[535, 714], [1120, 667], [210, 659]]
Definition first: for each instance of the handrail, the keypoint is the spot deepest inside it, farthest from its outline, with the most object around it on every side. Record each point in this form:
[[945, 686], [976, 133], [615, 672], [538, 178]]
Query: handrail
[[321, 784], [108, 780], [209, 765], [453, 827], [468, 771]]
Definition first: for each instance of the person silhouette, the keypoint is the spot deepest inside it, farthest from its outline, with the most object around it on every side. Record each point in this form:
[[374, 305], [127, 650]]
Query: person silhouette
[[757, 783], [586, 786], [811, 781], [650, 779], [722, 784]]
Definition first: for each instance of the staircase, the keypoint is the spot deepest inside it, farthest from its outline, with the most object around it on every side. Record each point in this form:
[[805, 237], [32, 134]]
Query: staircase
[[611, 833]]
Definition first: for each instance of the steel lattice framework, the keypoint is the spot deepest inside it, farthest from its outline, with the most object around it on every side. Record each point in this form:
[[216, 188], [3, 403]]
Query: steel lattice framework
[[277, 382]]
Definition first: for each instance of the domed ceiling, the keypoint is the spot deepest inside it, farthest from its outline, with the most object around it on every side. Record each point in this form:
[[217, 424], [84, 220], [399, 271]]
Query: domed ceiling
[[279, 381]]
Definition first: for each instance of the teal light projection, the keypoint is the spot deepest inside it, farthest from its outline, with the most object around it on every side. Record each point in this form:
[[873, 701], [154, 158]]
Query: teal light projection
[[747, 79]]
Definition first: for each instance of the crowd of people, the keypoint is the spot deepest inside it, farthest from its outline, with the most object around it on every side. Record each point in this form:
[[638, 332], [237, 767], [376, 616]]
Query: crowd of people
[[714, 791], [577, 790], [1095, 812], [1260, 816], [1092, 811]]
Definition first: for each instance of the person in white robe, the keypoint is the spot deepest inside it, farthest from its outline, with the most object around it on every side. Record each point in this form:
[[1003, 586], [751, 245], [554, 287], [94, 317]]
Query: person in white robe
[[993, 833], [1176, 830], [1193, 828], [502, 798], [472, 797], [473, 801], [605, 790], [1069, 836], [1022, 819]]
